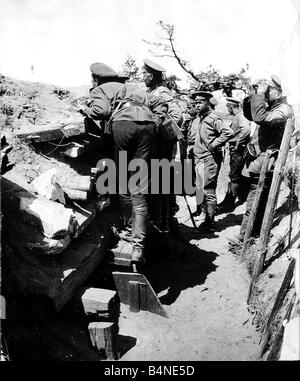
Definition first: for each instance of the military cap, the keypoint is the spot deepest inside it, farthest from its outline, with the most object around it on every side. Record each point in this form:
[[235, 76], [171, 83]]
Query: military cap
[[274, 81], [200, 95], [191, 102], [233, 101], [123, 76], [153, 65], [102, 70]]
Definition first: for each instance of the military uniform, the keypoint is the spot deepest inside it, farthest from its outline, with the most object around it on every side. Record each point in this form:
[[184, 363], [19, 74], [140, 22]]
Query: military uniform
[[212, 134], [271, 120], [163, 207], [134, 129], [238, 185]]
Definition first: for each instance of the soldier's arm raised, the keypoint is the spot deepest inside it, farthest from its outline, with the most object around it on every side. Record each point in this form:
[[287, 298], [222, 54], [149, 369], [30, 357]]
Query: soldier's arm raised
[[260, 113], [100, 106]]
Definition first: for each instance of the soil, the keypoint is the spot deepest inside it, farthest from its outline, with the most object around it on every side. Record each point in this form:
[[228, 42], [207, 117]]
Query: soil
[[205, 301]]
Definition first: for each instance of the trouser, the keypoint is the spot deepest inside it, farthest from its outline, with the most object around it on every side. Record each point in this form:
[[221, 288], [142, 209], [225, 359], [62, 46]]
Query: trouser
[[207, 171], [136, 139], [162, 207], [254, 172], [238, 185], [191, 159]]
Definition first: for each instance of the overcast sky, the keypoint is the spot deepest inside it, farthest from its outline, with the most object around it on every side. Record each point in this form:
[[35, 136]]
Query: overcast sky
[[61, 38]]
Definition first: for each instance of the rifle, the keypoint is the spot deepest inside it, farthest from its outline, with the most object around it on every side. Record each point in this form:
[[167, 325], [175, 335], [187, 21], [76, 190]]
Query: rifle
[[176, 128]]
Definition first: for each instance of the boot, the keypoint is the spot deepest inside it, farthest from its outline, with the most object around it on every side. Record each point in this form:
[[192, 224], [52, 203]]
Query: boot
[[228, 204], [198, 211], [139, 227], [209, 224]]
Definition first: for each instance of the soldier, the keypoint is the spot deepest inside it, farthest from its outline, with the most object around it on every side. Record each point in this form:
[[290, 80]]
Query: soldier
[[269, 109], [133, 124], [164, 206], [211, 136], [238, 185], [190, 128]]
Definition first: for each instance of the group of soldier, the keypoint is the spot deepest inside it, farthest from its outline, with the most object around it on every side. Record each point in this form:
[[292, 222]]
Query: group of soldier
[[141, 122]]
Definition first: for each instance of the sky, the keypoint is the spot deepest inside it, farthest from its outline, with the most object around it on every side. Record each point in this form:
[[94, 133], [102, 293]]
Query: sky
[[55, 41]]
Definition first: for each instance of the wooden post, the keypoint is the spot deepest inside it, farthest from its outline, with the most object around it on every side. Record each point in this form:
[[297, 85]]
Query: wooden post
[[271, 204], [252, 216], [276, 346], [103, 336], [277, 305]]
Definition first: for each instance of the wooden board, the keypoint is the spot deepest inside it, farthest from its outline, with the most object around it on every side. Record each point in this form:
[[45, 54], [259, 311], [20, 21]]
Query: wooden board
[[148, 299], [98, 299], [52, 131], [122, 253]]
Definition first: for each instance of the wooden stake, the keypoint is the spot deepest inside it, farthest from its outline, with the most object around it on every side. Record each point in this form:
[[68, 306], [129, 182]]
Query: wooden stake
[[276, 346], [271, 204], [253, 213], [103, 337], [277, 305]]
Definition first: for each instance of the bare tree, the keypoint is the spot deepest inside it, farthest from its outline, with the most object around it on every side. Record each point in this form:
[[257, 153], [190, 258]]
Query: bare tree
[[166, 48], [208, 80]]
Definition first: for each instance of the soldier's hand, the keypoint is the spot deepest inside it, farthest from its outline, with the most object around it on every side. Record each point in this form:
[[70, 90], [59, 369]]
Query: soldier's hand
[[262, 88]]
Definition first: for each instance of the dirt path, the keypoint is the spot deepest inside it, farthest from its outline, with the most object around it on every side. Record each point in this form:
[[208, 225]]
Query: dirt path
[[204, 293]]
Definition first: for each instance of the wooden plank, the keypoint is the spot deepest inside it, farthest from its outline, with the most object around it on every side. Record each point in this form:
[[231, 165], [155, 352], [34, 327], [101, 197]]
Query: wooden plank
[[103, 337], [143, 296], [134, 296], [97, 300], [276, 345], [52, 131], [277, 305], [271, 204], [255, 206], [122, 280], [122, 253]]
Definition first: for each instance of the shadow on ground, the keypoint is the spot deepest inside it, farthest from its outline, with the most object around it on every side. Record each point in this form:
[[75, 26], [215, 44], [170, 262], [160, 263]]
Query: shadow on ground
[[174, 265]]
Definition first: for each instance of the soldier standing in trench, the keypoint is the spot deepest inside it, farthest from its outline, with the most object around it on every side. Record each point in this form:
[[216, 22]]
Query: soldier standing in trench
[[190, 130], [211, 136], [133, 126], [163, 207], [269, 109], [238, 184]]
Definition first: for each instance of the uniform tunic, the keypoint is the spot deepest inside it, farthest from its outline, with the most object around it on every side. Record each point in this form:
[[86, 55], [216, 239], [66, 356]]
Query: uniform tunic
[[212, 134], [271, 122]]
